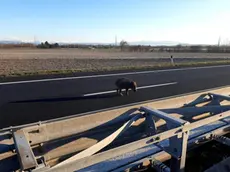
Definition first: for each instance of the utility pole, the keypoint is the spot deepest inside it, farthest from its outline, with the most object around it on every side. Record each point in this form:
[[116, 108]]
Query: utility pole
[[34, 40], [219, 41], [116, 40]]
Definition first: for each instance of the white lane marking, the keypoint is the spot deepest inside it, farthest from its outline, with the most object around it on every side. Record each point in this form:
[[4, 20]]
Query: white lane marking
[[138, 88], [107, 75], [99, 93]]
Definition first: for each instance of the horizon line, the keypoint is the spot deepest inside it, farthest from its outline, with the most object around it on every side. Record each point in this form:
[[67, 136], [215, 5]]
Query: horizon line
[[146, 43]]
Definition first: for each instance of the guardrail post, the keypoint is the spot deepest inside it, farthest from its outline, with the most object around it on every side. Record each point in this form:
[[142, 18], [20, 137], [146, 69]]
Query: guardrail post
[[172, 60]]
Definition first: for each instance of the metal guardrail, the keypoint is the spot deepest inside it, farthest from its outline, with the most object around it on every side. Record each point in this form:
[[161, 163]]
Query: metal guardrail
[[180, 136]]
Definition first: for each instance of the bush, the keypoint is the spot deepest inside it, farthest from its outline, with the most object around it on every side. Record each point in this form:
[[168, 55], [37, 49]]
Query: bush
[[48, 45]]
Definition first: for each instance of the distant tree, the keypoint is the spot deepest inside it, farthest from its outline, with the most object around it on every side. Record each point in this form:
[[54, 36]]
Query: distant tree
[[47, 43], [123, 43], [40, 45], [56, 45]]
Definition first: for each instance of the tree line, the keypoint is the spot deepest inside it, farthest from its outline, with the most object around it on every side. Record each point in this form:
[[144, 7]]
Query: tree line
[[47, 45], [125, 47]]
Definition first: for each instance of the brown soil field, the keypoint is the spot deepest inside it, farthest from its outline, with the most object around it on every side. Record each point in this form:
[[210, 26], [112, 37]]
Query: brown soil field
[[92, 54], [34, 61]]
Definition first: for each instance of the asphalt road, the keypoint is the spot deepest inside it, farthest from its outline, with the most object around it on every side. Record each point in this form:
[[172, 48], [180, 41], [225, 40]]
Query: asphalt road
[[23, 102]]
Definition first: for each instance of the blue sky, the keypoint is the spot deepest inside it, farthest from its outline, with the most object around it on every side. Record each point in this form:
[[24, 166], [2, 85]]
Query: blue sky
[[188, 21]]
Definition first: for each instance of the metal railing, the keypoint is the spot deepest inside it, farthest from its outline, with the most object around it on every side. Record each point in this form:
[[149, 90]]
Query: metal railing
[[180, 136]]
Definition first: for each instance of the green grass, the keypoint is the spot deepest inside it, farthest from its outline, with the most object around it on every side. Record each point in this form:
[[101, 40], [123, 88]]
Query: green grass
[[104, 69]]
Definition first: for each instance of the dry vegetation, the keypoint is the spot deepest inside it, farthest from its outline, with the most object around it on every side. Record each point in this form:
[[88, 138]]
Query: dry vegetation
[[34, 61]]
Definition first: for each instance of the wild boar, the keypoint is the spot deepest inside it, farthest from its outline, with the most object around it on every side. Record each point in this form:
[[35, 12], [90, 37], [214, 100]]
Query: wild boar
[[124, 83]]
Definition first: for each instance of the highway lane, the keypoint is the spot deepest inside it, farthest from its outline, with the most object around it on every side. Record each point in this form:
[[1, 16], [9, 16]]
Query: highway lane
[[25, 102]]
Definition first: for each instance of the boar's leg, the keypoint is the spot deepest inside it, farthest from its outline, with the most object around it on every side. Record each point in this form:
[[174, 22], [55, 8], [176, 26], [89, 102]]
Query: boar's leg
[[127, 92], [119, 91]]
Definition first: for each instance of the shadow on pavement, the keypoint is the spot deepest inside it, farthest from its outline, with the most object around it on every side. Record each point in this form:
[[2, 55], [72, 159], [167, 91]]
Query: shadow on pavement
[[60, 99]]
